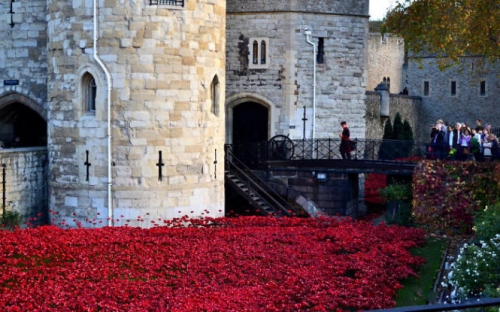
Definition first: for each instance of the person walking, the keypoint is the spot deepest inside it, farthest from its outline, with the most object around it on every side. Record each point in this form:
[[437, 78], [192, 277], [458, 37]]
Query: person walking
[[345, 141]]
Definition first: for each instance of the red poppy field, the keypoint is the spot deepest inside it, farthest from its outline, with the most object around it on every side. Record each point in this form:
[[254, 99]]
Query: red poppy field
[[226, 264]]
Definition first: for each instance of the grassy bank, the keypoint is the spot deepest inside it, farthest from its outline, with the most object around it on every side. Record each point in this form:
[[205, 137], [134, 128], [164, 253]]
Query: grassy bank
[[419, 291]]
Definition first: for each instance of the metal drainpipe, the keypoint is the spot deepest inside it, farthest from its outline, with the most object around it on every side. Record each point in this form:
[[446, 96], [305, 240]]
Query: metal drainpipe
[[108, 78], [307, 32]]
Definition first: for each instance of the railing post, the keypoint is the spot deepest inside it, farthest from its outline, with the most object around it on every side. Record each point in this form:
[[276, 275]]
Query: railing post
[[330, 156], [3, 189]]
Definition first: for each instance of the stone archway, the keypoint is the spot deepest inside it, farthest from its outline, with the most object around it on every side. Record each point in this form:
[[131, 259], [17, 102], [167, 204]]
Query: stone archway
[[250, 123], [22, 122], [250, 116]]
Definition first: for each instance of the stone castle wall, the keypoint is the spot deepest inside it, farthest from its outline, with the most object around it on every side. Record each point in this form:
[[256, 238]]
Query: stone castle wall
[[286, 85], [23, 53], [408, 108], [343, 7], [162, 61], [386, 57], [467, 105], [26, 187]]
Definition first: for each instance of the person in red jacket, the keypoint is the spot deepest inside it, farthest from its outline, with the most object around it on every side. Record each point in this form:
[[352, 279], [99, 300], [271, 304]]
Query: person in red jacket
[[345, 142]]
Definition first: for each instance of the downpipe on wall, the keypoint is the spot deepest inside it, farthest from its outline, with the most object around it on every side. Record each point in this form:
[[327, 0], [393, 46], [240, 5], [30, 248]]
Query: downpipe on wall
[[308, 32], [108, 78]]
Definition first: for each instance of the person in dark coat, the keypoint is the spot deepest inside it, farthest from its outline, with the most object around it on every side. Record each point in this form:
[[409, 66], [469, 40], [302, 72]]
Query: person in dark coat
[[438, 133], [345, 142]]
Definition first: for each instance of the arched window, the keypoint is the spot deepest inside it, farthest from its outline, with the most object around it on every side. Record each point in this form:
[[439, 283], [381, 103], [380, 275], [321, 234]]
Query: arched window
[[263, 52], [258, 57], [89, 92], [255, 52], [214, 95]]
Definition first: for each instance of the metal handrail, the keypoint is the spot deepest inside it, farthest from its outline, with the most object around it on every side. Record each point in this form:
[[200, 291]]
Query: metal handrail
[[255, 183], [256, 155]]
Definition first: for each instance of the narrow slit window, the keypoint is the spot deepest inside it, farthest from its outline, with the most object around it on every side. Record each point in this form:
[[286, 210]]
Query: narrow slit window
[[89, 94], [426, 88], [258, 53], [263, 52], [255, 52], [453, 88], [321, 51], [482, 88], [214, 95], [92, 94]]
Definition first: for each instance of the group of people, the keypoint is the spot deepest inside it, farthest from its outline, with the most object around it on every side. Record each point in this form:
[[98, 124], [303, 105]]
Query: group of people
[[462, 142]]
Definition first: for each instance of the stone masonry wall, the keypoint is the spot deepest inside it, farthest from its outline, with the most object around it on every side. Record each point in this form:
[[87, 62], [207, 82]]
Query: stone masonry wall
[[385, 60], [286, 86], [23, 53], [162, 61], [26, 182], [467, 105], [407, 106], [342, 7]]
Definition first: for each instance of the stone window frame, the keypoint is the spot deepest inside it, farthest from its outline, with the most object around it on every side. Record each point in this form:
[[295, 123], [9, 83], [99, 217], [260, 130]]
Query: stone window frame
[[79, 101], [262, 50], [453, 84], [215, 95], [426, 88], [483, 88]]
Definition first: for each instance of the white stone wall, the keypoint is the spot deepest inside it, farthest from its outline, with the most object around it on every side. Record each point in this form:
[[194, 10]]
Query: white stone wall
[[286, 86], [161, 61]]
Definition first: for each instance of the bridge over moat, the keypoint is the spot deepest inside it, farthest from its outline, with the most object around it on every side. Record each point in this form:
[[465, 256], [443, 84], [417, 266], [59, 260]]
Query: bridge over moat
[[314, 173]]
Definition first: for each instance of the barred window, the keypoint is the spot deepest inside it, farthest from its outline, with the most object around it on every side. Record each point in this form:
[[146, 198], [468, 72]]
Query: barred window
[[167, 2]]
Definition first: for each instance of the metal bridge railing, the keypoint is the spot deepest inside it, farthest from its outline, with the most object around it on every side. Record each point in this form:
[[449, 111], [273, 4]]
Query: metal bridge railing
[[281, 147]]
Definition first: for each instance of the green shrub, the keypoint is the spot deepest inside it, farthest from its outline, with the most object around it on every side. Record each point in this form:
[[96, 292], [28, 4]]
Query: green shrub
[[10, 219], [487, 222], [400, 192], [398, 199]]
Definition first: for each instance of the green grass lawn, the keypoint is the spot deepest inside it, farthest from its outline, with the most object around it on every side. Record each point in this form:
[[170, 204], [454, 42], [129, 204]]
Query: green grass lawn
[[419, 291]]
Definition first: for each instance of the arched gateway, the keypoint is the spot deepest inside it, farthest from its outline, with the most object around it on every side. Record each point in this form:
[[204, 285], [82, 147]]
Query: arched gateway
[[22, 122]]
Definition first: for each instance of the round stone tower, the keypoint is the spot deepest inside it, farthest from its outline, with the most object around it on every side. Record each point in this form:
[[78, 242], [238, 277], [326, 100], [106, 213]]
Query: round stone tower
[[136, 132]]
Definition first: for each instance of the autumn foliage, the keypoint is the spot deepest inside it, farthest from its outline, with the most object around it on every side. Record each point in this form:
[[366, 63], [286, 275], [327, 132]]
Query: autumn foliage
[[446, 195], [226, 264], [446, 28]]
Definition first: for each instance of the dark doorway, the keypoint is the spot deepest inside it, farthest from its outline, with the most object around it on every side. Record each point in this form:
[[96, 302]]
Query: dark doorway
[[22, 127], [250, 123]]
